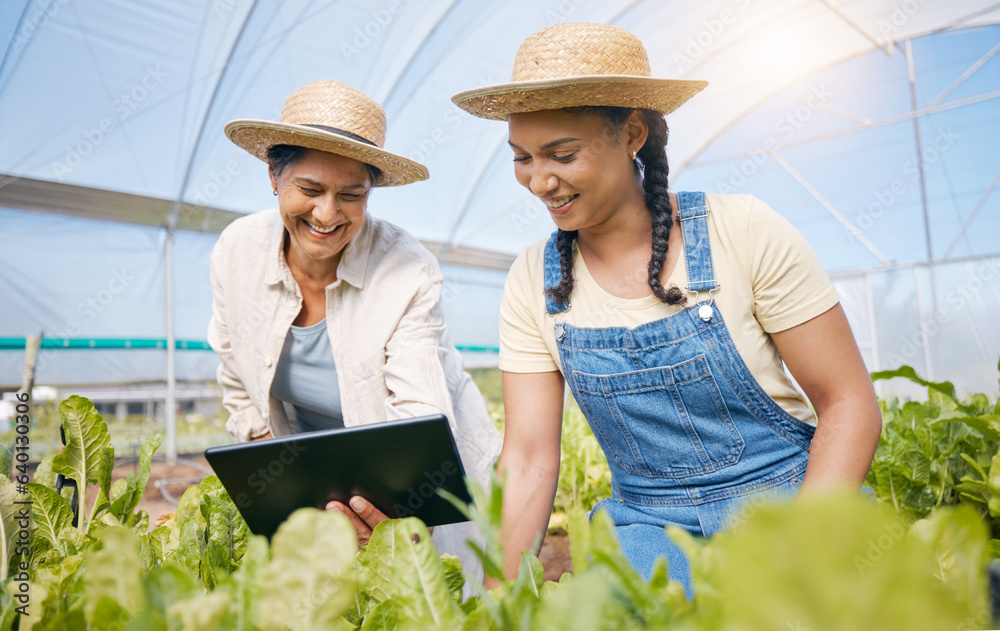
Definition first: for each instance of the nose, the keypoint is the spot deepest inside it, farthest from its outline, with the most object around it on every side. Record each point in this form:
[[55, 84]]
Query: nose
[[325, 209], [542, 181]]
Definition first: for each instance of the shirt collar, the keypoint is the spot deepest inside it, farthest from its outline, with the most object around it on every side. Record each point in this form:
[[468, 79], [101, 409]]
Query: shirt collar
[[353, 263]]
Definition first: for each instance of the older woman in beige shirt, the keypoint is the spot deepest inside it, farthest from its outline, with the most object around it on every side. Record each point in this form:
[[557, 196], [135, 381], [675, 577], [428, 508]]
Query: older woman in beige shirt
[[324, 316]]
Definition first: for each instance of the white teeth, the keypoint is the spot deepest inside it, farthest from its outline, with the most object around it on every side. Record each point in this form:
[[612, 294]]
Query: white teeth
[[321, 230], [562, 201]]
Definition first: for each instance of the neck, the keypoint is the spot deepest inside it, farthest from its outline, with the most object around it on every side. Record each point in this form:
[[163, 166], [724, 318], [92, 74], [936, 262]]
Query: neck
[[628, 229], [310, 273]]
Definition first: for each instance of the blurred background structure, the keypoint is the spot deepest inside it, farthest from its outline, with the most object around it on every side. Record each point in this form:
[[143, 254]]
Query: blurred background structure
[[873, 126]]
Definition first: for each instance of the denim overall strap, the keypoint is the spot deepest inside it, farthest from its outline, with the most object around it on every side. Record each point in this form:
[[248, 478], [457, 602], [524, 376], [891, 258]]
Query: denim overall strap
[[693, 214], [553, 275]]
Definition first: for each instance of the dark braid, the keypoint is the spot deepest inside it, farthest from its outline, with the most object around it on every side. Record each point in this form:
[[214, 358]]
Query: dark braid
[[564, 244], [655, 170], [652, 158]]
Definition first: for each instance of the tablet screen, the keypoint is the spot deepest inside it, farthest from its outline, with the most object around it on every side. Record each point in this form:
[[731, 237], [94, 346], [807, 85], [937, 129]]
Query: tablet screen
[[398, 466]]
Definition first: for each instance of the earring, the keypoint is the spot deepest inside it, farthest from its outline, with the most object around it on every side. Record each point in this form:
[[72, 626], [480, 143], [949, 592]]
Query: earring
[[633, 159], [275, 191]]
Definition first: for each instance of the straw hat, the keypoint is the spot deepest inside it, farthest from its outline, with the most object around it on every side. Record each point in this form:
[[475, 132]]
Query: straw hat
[[569, 65], [330, 116]]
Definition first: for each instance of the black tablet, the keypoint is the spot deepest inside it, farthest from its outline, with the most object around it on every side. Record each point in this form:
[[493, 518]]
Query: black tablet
[[397, 465]]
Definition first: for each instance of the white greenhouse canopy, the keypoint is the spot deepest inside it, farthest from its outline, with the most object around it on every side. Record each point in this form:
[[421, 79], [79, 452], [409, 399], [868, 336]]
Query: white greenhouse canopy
[[873, 126]]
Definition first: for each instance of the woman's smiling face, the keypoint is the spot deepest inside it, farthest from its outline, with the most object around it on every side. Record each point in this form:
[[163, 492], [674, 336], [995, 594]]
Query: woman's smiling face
[[322, 199], [574, 163]]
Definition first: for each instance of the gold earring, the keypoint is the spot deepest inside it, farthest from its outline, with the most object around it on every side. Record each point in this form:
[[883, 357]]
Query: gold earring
[[633, 155]]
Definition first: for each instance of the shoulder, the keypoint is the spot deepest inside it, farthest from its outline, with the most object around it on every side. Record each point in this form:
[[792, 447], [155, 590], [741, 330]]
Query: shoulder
[[249, 229], [528, 268], [247, 237], [733, 209], [395, 251]]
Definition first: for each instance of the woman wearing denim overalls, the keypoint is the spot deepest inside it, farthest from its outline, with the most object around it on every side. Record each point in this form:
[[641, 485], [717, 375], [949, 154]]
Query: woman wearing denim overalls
[[667, 315]]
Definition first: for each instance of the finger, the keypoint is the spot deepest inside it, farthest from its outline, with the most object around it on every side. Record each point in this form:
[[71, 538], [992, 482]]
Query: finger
[[361, 529], [367, 511]]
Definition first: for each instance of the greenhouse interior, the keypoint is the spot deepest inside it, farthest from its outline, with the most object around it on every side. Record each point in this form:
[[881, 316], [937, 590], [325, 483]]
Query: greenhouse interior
[[871, 126]]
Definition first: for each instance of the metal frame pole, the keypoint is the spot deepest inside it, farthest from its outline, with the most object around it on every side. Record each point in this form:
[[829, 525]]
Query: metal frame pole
[[171, 402]]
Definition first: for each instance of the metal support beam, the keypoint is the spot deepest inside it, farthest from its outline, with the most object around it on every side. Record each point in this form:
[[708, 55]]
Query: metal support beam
[[896, 266], [972, 215], [171, 399], [829, 207], [924, 338], [872, 323], [884, 47], [882, 122], [965, 76], [911, 76]]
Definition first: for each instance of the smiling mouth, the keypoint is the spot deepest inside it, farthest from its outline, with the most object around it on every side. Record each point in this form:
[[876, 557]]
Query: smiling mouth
[[320, 230], [559, 203]]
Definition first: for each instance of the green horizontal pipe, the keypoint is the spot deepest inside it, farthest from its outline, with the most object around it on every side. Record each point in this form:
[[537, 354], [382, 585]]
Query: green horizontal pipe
[[68, 343], [479, 349]]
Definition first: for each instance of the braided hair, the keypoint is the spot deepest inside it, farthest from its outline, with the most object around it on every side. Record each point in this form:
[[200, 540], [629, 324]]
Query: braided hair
[[651, 161]]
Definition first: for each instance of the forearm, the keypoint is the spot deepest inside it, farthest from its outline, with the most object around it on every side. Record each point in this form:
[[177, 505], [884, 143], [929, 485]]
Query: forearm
[[824, 359], [528, 498], [528, 495], [843, 446], [529, 460]]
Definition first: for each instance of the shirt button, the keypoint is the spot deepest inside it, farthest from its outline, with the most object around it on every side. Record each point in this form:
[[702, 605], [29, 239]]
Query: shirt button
[[267, 362]]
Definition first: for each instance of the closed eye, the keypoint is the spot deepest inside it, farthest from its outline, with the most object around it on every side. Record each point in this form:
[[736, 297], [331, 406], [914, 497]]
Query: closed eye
[[564, 157]]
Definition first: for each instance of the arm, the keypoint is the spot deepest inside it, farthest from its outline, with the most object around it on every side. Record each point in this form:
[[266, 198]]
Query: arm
[[533, 404], [415, 378], [824, 359], [414, 370], [245, 422]]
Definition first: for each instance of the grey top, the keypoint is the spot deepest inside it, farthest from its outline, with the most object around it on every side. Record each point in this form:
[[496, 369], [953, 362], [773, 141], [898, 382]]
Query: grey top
[[306, 377]]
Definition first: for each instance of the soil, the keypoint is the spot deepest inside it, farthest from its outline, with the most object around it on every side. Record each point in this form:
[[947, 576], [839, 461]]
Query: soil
[[167, 483]]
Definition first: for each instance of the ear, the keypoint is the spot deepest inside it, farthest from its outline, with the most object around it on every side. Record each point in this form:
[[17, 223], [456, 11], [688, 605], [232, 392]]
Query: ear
[[274, 178], [636, 130]]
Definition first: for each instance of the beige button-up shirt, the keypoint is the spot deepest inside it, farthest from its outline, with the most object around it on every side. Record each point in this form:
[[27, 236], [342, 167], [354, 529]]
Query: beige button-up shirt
[[385, 321]]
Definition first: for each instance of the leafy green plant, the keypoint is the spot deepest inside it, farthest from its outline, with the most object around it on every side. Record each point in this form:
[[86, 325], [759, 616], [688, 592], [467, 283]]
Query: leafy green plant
[[942, 452], [832, 563]]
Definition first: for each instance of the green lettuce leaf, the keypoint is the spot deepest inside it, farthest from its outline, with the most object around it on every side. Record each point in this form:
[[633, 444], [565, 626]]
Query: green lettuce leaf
[[406, 568], [943, 388], [9, 528], [244, 586], [125, 499], [86, 436], [163, 586], [201, 612], [6, 460], [50, 512], [113, 579], [839, 562], [164, 542], [301, 592]]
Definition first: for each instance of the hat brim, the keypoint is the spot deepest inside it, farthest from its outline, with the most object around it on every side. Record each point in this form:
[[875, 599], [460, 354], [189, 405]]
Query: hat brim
[[496, 102], [258, 136]]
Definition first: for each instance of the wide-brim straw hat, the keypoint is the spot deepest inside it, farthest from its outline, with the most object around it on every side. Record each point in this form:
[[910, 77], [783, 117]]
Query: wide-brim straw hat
[[577, 64], [328, 115]]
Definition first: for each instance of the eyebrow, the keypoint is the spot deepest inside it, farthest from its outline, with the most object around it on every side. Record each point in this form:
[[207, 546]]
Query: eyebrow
[[547, 145], [311, 182]]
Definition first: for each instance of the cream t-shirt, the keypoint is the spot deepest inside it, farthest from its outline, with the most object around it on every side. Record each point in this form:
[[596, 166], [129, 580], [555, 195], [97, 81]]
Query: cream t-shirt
[[769, 280]]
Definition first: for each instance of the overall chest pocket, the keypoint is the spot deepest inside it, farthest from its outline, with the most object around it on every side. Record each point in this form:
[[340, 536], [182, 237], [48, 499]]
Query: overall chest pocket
[[666, 422]]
